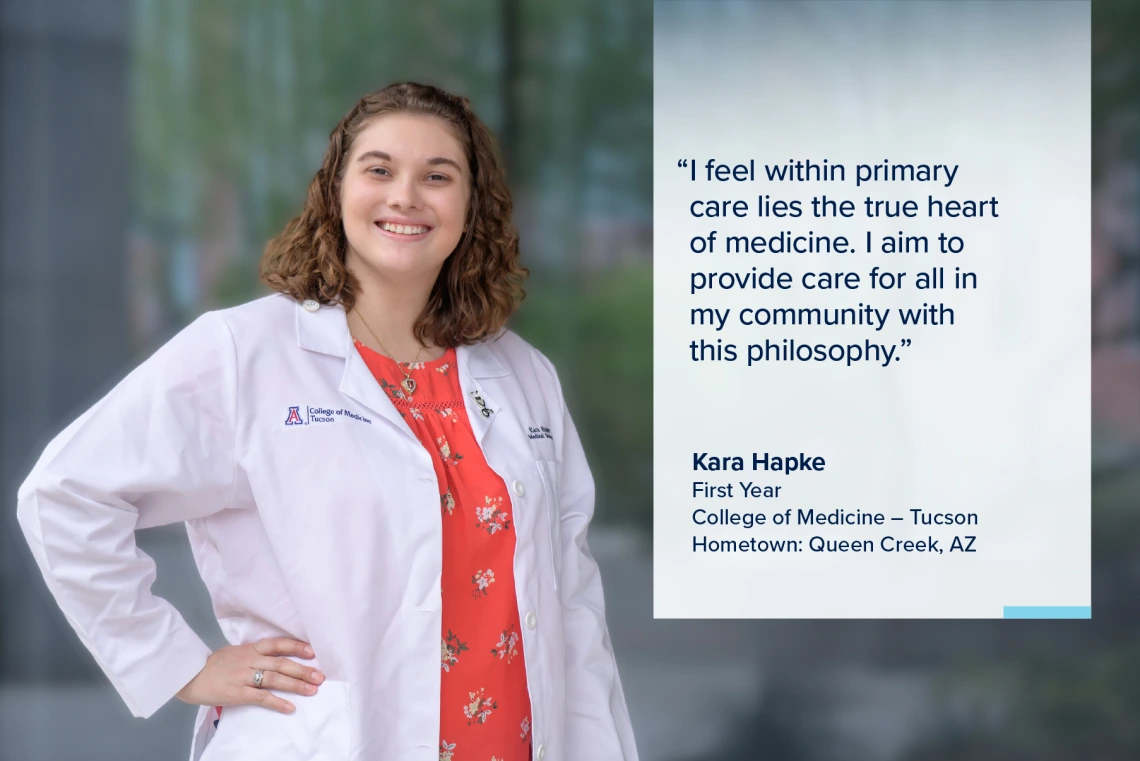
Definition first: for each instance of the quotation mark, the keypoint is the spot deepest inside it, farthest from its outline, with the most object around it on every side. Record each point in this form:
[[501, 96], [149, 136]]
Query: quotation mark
[[682, 163]]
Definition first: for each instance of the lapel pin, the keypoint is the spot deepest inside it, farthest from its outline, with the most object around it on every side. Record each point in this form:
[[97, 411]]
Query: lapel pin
[[484, 410]]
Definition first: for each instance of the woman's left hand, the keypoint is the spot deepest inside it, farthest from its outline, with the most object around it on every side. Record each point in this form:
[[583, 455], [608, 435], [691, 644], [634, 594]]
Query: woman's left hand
[[229, 676]]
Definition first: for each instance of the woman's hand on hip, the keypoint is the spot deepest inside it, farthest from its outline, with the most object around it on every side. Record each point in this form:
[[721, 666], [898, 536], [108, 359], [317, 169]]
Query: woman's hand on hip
[[227, 679]]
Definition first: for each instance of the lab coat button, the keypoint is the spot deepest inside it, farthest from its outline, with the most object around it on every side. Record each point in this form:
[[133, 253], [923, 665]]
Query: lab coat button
[[519, 488], [531, 620], [311, 305], [539, 752]]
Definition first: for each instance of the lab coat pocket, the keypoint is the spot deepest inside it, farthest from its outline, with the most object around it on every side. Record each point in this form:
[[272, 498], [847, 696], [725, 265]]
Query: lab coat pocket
[[319, 730], [550, 472]]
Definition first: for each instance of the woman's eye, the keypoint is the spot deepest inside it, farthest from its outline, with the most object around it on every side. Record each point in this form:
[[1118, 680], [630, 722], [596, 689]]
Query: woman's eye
[[378, 169], [436, 177]]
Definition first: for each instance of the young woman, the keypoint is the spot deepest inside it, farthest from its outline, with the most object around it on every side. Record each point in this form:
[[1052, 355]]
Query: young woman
[[384, 492]]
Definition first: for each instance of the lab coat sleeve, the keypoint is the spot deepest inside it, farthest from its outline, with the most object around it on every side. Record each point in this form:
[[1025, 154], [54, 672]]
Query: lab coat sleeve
[[597, 719], [157, 449]]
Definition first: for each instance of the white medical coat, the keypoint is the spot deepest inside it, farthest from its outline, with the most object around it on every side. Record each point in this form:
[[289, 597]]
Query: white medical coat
[[328, 532]]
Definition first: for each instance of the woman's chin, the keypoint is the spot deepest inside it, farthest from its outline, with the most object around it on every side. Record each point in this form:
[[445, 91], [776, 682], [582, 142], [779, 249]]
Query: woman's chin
[[404, 269]]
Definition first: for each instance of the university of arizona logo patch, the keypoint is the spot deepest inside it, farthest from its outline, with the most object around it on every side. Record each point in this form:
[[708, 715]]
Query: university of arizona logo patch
[[318, 415]]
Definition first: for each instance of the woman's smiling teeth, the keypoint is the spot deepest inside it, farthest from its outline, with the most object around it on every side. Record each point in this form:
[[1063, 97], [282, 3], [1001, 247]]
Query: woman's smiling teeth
[[403, 229]]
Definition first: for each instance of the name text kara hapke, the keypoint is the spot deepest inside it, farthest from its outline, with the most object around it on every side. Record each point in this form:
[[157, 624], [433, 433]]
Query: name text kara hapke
[[788, 464]]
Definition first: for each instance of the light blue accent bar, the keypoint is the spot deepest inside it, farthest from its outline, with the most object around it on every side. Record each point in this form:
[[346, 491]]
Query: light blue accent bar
[[1048, 611]]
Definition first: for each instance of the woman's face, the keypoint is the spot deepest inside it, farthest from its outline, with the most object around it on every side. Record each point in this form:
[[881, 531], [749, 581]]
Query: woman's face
[[404, 199]]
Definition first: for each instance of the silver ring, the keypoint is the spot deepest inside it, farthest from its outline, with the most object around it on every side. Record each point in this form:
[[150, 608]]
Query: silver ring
[[258, 677]]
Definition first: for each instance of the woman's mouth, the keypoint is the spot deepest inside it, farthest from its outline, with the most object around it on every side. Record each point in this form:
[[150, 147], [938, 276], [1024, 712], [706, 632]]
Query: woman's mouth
[[404, 231]]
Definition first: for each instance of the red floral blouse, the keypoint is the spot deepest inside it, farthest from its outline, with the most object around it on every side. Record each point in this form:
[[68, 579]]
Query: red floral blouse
[[484, 701]]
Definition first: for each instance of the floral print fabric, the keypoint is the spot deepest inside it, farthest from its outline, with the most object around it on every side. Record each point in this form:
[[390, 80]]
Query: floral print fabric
[[484, 701]]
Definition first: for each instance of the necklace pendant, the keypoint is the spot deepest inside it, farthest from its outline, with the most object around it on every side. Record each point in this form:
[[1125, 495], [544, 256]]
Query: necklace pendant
[[409, 385]]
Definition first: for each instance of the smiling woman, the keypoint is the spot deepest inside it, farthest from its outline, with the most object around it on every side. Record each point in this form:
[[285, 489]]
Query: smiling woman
[[404, 198], [413, 581], [410, 200]]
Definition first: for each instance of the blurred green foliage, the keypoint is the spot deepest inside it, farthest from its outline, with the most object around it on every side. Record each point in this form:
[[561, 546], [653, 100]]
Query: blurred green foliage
[[1116, 62], [598, 332], [245, 93]]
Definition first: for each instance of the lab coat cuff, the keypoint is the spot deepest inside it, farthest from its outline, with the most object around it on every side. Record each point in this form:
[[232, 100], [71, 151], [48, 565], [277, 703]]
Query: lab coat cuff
[[182, 658]]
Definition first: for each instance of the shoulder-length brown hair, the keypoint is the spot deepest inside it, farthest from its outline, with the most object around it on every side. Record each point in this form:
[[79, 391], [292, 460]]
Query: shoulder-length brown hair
[[480, 283]]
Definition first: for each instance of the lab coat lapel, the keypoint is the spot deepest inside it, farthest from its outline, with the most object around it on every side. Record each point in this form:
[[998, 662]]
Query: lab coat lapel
[[358, 383], [479, 370], [326, 331]]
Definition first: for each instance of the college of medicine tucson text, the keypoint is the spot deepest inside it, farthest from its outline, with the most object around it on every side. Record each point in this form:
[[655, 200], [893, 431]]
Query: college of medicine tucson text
[[837, 517]]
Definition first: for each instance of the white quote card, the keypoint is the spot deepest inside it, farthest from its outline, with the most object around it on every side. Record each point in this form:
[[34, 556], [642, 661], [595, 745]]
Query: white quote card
[[872, 309]]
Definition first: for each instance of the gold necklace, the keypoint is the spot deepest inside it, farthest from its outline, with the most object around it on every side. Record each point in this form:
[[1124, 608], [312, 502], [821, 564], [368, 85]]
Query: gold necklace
[[407, 383]]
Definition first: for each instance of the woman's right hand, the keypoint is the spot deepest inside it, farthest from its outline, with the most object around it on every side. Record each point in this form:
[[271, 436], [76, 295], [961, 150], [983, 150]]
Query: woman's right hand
[[227, 677]]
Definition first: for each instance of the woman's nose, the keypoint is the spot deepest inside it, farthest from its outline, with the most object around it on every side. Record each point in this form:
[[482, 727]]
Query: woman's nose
[[404, 194]]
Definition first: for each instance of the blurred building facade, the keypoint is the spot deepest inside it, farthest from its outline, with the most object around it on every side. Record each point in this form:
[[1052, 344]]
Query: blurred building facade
[[64, 212]]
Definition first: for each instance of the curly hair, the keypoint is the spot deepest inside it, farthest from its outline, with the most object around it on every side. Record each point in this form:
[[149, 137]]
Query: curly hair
[[480, 283]]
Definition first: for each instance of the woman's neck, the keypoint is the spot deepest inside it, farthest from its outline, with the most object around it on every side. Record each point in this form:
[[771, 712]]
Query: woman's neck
[[382, 319]]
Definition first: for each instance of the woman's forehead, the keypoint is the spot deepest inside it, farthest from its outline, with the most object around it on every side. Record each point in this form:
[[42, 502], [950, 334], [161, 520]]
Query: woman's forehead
[[412, 138]]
